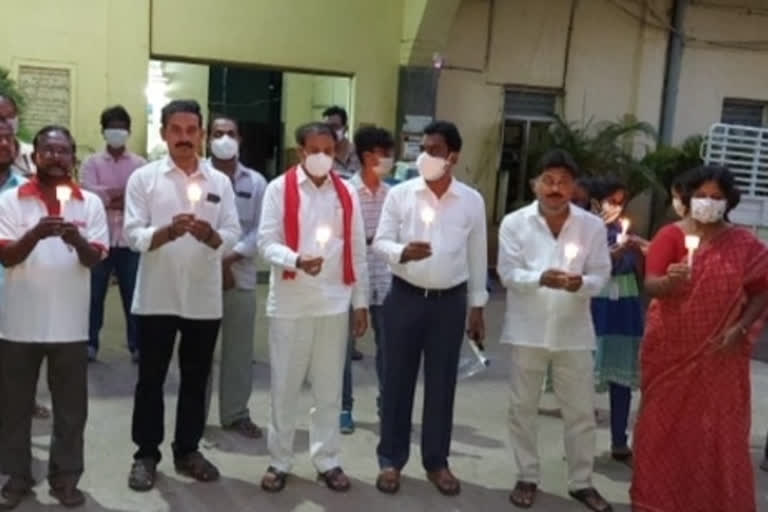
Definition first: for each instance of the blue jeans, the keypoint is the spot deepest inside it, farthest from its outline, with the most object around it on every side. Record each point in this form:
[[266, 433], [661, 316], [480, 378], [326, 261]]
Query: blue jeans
[[377, 324], [124, 263]]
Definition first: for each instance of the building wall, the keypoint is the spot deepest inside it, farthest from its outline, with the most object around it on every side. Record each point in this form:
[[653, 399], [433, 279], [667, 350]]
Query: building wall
[[295, 35], [104, 42]]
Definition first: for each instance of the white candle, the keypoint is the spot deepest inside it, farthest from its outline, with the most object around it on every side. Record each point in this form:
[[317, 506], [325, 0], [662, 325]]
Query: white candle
[[322, 235], [622, 238], [571, 251], [63, 194], [691, 243], [427, 217], [194, 193]]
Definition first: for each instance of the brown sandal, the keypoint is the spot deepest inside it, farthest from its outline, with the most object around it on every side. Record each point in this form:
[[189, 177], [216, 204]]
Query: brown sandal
[[591, 499], [388, 481], [335, 479], [274, 480], [446, 483], [14, 492], [196, 466], [246, 428], [524, 494], [69, 496]]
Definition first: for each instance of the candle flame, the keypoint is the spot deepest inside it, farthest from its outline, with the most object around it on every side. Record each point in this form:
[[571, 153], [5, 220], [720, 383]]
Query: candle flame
[[427, 215], [571, 251], [323, 234], [624, 225], [63, 193], [692, 242], [194, 192]]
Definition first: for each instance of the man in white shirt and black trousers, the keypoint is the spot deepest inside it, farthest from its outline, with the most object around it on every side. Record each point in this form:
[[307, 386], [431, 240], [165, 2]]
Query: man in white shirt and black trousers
[[180, 215], [553, 259], [433, 232]]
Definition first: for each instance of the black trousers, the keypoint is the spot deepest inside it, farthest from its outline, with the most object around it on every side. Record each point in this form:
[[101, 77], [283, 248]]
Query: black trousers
[[415, 324], [67, 365], [157, 338]]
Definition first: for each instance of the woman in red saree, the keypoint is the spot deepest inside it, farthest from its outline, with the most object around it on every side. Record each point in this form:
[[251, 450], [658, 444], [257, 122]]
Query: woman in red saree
[[691, 441]]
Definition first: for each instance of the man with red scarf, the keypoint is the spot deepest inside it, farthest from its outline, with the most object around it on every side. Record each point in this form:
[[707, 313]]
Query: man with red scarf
[[312, 234]]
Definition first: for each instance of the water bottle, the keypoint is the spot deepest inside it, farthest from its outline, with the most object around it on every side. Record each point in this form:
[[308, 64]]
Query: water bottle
[[473, 363]]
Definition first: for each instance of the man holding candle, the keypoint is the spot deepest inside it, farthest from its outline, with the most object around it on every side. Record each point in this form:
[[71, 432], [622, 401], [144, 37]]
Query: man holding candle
[[41, 244], [106, 173], [433, 233], [313, 236], [239, 279], [553, 258], [180, 215]]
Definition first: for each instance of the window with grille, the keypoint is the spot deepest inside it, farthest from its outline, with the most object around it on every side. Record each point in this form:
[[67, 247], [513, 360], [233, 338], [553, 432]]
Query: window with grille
[[744, 112], [521, 103]]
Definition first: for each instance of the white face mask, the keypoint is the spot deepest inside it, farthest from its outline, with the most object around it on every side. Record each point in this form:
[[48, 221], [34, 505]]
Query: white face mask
[[708, 211], [318, 164], [611, 212], [14, 122], [430, 167], [116, 137], [678, 206], [384, 166], [224, 147]]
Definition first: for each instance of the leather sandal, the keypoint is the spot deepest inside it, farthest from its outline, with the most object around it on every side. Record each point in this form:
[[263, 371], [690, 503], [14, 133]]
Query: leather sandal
[[388, 481], [446, 483], [14, 492], [196, 466], [591, 499], [69, 496], [524, 494], [246, 428], [143, 475], [274, 480], [335, 479]]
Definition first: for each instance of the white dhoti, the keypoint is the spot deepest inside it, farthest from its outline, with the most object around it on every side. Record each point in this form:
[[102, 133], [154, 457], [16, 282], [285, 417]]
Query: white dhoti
[[573, 380], [313, 347]]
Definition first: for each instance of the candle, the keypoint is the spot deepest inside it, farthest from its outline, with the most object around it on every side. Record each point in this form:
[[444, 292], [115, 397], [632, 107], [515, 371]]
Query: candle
[[194, 193], [691, 243], [622, 238], [427, 217], [571, 251], [63, 194], [322, 235]]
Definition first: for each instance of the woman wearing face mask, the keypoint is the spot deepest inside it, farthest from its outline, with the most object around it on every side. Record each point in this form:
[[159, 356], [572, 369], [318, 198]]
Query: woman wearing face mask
[[618, 316], [692, 435]]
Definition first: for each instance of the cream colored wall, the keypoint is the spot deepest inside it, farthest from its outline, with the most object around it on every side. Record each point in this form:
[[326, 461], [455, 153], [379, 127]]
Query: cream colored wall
[[105, 42], [710, 74], [354, 37]]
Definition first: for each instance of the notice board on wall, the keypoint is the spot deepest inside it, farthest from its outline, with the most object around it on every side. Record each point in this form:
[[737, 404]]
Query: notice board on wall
[[48, 94]]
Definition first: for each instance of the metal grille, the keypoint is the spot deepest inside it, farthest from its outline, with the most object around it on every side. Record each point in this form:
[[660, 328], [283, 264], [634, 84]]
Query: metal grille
[[529, 104], [743, 112]]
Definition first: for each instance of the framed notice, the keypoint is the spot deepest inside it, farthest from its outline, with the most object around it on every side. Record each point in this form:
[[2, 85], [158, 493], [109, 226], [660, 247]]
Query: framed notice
[[47, 90]]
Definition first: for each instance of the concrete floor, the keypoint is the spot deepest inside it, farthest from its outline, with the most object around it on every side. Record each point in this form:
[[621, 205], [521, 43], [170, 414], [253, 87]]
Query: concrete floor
[[479, 455]]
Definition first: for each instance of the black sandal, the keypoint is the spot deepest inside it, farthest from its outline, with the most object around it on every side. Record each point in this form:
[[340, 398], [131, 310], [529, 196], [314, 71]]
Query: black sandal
[[524, 494], [273, 480], [335, 479], [591, 499]]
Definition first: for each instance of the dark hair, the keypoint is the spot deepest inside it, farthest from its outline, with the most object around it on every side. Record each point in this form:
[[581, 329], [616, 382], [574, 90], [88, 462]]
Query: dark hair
[[314, 128], [368, 138], [607, 186], [11, 100], [116, 113], [336, 111], [724, 178], [221, 117], [559, 158], [45, 130], [178, 107], [449, 132]]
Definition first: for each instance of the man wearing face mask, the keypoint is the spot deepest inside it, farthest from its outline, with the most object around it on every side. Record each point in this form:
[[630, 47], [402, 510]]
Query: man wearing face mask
[[345, 161], [239, 279], [375, 148], [433, 233], [23, 163], [313, 236], [106, 173]]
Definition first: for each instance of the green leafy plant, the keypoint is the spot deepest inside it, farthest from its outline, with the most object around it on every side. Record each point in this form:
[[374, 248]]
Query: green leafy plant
[[9, 88], [668, 162]]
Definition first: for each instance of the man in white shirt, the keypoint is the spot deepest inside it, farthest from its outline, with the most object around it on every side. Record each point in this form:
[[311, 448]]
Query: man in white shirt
[[47, 245], [433, 232], [239, 279], [180, 215], [312, 234], [553, 259]]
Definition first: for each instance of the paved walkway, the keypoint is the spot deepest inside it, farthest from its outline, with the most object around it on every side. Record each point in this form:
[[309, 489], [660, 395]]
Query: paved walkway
[[479, 456]]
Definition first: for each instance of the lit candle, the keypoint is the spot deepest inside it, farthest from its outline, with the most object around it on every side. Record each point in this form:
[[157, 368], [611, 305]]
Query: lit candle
[[322, 235], [63, 194], [194, 193], [622, 238], [571, 251], [427, 217], [691, 243]]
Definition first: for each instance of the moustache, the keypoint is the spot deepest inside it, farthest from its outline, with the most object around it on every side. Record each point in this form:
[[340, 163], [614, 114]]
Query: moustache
[[185, 144], [555, 196]]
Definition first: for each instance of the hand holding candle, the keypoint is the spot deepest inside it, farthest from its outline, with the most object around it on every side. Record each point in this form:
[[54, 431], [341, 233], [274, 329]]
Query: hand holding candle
[[691, 243], [194, 194]]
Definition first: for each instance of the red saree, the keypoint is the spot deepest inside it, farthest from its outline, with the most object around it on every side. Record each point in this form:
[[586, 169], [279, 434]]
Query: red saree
[[691, 440]]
